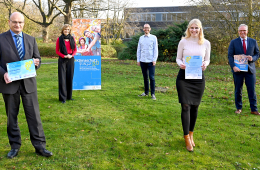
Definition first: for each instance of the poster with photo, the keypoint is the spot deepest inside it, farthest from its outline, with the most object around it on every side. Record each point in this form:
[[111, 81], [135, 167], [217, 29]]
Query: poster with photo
[[87, 72], [241, 62]]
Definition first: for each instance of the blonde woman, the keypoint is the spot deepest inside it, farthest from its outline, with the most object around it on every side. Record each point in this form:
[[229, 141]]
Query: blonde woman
[[66, 49], [190, 91]]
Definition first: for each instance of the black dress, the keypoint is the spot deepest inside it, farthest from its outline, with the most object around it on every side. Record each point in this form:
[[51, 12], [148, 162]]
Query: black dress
[[190, 91]]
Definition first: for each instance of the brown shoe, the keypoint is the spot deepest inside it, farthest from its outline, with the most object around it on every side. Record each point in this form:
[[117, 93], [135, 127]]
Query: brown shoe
[[188, 143], [238, 111], [191, 138], [255, 113]]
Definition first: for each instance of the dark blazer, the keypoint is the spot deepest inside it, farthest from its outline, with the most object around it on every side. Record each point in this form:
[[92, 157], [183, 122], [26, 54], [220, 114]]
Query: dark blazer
[[8, 54], [236, 48]]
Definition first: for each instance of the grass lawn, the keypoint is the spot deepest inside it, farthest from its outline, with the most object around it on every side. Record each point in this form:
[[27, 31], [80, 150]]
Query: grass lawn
[[113, 128]]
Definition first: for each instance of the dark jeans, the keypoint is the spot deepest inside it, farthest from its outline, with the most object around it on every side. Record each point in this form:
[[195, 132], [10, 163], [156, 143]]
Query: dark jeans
[[148, 68], [250, 80]]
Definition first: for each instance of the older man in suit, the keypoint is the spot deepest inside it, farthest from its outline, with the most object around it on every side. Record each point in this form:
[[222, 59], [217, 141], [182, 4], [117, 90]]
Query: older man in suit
[[16, 46], [249, 47]]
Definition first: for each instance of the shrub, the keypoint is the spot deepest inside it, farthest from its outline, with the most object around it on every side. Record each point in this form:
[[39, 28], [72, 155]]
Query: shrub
[[217, 58], [130, 51], [112, 41], [119, 48], [124, 55], [168, 40], [108, 51], [46, 49]]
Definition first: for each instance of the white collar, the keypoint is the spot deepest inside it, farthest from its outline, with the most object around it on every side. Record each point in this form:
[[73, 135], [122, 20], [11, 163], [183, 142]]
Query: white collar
[[243, 38]]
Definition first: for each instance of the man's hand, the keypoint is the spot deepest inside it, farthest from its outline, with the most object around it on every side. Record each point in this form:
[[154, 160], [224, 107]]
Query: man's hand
[[138, 63], [36, 61], [182, 66], [154, 62], [6, 78], [236, 69], [250, 58]]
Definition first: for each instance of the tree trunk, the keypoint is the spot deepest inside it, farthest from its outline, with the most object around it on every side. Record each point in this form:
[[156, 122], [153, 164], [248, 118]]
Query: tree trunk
[[250, 18], [45, 34], [10, 9], [68, 17]]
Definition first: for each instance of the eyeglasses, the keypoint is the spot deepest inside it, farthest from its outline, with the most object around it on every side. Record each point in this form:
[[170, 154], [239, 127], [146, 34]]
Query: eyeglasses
[[17, 22]]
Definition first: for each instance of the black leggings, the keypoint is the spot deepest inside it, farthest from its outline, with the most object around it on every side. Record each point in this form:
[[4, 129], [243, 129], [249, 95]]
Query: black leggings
[[188, 117]]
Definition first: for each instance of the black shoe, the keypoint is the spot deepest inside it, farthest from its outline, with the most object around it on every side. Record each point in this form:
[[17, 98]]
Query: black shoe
[[43, 152], [13, 153], [63, 102], [71, 99]]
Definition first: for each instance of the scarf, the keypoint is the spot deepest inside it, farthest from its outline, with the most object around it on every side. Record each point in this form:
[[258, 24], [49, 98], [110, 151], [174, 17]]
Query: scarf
[[63, 49]]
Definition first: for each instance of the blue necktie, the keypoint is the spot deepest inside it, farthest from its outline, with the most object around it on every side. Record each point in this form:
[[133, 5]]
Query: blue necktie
[[19, 46]]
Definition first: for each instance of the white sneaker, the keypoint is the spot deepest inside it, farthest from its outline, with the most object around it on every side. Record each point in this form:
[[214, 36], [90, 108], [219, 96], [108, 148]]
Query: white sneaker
[[153, 97], [143, 94]]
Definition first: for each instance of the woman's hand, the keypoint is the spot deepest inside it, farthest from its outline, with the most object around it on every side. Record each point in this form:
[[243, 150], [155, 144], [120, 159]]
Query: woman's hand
[[68, 56], [203, 66], [182, 66]]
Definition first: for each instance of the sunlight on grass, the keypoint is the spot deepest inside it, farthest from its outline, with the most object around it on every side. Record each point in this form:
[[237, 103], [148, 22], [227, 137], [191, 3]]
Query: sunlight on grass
[[113, 128]]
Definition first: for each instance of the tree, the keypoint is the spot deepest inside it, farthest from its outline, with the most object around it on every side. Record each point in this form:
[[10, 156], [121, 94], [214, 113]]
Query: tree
[[222, 18], [3, 18], [45, 9], [115, 25]]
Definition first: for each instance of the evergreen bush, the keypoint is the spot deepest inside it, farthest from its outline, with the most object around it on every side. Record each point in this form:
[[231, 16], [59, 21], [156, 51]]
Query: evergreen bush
[[168, 40]]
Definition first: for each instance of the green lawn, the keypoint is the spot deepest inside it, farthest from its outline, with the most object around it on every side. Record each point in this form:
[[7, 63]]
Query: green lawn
[[113, 128]]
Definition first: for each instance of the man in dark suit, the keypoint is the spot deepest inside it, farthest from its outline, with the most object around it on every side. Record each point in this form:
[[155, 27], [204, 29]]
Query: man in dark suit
[[16, 46], [249, 47]]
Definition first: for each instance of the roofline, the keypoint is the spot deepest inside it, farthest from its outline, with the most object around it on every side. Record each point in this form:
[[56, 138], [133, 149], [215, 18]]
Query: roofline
[[163, 6]]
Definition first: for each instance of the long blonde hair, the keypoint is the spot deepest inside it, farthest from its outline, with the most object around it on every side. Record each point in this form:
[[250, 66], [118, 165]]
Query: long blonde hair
[[201, 35]]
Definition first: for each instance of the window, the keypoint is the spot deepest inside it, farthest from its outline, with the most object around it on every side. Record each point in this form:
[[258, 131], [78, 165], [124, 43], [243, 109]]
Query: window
[[148, 17], [169, 17], [142, 17], [174, 17], [178, 17], [152, 17], [184, 16], [158, 17], [164, 17]]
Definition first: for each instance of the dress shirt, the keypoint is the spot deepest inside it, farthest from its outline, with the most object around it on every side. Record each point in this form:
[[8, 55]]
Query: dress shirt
[[20, 38], [147, 50], [245, 41]]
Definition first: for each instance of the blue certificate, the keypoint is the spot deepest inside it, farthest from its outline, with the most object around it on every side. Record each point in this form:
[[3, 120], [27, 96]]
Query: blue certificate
[[21, 69], [193, 68]]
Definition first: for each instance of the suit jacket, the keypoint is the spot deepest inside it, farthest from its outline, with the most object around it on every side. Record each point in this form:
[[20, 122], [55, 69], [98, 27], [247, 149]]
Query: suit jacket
[[236, 48], [8, 54]]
